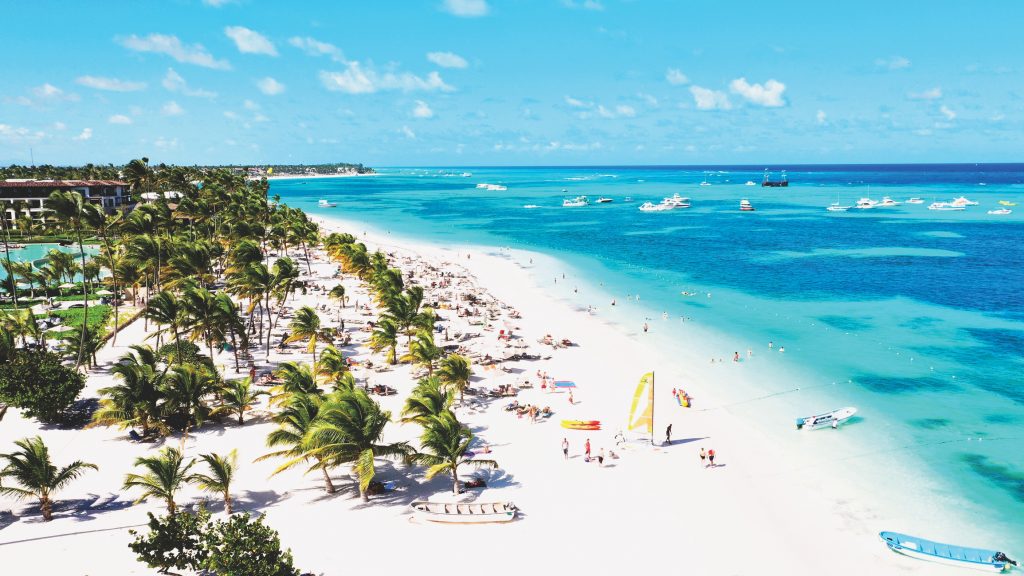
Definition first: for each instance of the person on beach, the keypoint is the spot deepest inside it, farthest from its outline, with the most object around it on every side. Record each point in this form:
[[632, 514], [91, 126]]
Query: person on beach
[[565, 448], [586, 448], [703, 455], [600, 457], [668, 435], [571, 401], [645, 327], [711, 457], [613, 301], [750, 353], [736, 357]]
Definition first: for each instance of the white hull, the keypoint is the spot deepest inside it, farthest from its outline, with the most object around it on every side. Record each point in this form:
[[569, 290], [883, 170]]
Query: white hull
[[948, 561], [465, 513], [825, 420]]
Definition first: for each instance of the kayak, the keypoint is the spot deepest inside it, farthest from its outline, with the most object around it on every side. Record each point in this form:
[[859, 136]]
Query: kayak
[[581, 424]]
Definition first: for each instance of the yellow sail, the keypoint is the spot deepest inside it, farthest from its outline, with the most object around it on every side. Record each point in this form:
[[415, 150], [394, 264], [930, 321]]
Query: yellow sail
[[270, 171], [644, 419]]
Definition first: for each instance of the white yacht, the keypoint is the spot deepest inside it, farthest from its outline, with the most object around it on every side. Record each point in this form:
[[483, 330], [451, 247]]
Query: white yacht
[[323, 203], [750, 183], [944, 206], [746, 206], [482, 185], [961, 201], [652, 207], [866, 204], [531, 206], [676, 201], [887, 202], [835, 207], [915, 200], [496, 187], [1000, 212], [575, 202], [466, 174]]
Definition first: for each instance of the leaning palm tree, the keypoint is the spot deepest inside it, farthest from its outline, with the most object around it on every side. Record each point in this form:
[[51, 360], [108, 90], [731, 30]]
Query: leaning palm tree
[[165, 474], [37, 476], [332, 365], [295, 379], [294, 423], [203, 317], [87, 342], [71, 209], [430, 398], [349, 430], [423, 352], [168, 312], [338, 293], [133, 399], [239, 396], [385, 337], [306, 326], [445, 442], [222, 472], [455, 371]]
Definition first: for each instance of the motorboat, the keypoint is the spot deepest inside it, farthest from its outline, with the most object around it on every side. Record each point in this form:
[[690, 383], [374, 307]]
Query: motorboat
[[531, 206], [915, 200], [865, 204], [677, 201], [961, 201], [603, 200], [1007, 203], [496, 187], [750, 183], [745, 206], [887, 202], [627, 199], [323, 203], [1000, 212], [944, 206], [465, 512], [466, 174], [826, 420], [575, 202], [975, 558], [835, 207], [652, 207], [482, 185]]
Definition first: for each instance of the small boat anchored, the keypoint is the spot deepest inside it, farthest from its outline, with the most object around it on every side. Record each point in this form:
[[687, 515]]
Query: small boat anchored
[[829, 419], [465, 512], [1000, 212], [652, 207], [944, 207], [835, 207], [746, 206], [915, 200], [975, 558], [323, 203], [603, 200], [866, 204], [887, 202]]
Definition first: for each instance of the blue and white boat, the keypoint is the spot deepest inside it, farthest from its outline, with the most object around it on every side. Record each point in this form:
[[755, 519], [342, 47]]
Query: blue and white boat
[[974, 558], [829, 419]]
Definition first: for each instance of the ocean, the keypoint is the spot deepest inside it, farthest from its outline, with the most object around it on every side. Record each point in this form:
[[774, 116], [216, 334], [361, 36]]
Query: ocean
[[914, 316]]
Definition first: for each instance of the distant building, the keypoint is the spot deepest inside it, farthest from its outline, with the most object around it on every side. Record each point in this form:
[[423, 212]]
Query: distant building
[[29, 196]]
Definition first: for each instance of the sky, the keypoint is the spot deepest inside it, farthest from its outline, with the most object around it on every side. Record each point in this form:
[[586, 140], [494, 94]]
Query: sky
[[512, 82]]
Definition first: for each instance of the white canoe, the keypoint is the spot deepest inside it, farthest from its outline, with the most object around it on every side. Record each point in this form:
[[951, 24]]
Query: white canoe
[[465, 512], [825, 420]]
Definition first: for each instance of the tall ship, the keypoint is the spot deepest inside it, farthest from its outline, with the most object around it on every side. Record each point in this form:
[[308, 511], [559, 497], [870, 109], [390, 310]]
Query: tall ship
[[767, 181]]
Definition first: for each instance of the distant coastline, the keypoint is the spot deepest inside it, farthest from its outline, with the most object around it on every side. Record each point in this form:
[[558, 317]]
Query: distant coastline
[[287, 176]]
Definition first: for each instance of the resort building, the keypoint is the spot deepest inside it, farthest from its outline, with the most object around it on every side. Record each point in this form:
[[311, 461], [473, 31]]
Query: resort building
[[21, 196]]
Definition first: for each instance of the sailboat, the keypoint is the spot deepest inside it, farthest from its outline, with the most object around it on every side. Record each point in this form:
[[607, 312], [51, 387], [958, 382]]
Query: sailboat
[[705, 182], [645, 418]]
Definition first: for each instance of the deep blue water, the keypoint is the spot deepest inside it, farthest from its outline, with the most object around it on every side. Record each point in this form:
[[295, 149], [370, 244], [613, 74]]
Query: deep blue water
[[917, 315]]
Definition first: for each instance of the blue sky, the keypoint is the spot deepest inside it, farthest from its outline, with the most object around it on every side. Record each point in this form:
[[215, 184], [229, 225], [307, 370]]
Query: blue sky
[[470, 82]]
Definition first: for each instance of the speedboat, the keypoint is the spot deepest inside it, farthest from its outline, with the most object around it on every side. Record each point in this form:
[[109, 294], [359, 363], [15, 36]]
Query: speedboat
[[961, 201], [1000, 212], [677, 201], [886, 202], [496, 187], [531, 206], [1007, 203], [835, 207], [575, 202], [603, 200], [825, 420], [944, 206], [915, 200], [975, 558], [466, 174], [326, 204], [745, 206], [865, 204], [652, 207], [750, 183]]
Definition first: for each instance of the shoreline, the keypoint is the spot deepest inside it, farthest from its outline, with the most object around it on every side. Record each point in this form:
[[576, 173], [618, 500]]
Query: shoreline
[[316, 176]]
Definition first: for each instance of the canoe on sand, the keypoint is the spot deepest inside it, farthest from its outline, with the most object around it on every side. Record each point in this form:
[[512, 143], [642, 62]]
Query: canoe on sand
[[465, 512]]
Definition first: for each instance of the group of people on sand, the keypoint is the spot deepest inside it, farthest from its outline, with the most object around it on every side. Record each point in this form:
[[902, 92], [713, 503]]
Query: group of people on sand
[[587, 455]]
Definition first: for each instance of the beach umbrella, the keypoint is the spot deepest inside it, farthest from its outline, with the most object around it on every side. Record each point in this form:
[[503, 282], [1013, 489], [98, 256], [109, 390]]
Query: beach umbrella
[[39, 309], [104, 292]]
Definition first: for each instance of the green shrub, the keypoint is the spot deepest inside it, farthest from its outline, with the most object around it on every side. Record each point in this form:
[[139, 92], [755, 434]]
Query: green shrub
[[242, 546], [175, 541], [39, 384]]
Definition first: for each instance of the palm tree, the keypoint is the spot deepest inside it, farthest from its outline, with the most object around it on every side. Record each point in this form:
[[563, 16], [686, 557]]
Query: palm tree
[[294, 423], [203, 317], [338, 293], [332, 365], [133, 400], [169, 314], [423, 351], [232, 324], [306, 326], [222, 472], [238, 396], [38, 477], [385, 337], [104, 226], [445, 442], [87, 342], [455, 371], [429, 398], [185, 390], [349, 430], [72, 209], [295, 379], [165, 474]]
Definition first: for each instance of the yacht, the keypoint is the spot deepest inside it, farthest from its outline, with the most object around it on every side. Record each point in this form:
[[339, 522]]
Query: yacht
[[887, 202], [1000, 212], [866, 204], [961, 201], [496, 187], [323, 203], [835, 207], [575, 202], [466, 174], [603, 200], [676, 201], [652, 207], [944, 206], [745, 206], [531, 206], [483, 185], [1007, 203], [915, 200]]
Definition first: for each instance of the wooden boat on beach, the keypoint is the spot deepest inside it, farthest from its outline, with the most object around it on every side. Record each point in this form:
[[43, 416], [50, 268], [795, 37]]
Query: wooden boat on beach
[[465, 512], [974, 558]]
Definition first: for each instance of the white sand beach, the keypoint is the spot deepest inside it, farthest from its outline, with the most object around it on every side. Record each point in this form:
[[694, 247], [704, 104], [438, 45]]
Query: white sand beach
[[653, 508]]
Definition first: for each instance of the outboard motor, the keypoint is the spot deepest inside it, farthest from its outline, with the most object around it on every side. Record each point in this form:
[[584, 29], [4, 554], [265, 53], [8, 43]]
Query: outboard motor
[[1000, 557]]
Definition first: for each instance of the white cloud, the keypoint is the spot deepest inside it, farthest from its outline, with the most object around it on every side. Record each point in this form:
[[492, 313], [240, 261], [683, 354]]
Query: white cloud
[[17, 135], [46, 94], [250, 105], [575, 103], [47, 91], [422, 110], [314, 47], [447, 59], [217, 3], [119, 119], [893, 62], [269, 86], [930, 94], [358, 80], [162, 142], [707, 99], [768, 94], [586, 4], [604, 112], [650, 100], [250, 41], [230, 115], [84, 135], [172, 109], [626, 111], [675, 77], [949, 114], [110, 84], [820, 117], [172, 46], [466, 8], [59, 125], [408, 133], [175, 83]]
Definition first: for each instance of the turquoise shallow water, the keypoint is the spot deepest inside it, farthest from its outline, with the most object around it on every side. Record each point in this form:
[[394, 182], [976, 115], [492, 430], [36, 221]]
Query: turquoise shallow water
[[914, 316]]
